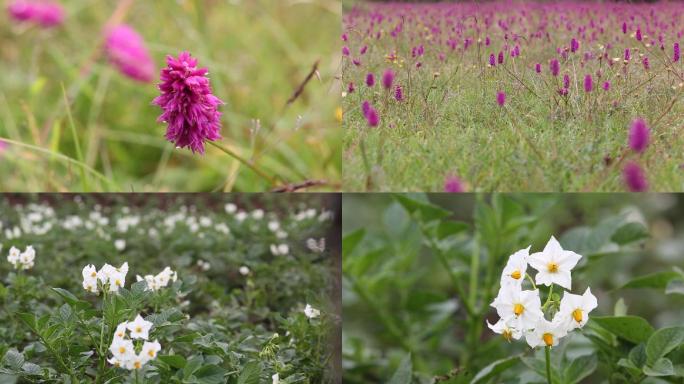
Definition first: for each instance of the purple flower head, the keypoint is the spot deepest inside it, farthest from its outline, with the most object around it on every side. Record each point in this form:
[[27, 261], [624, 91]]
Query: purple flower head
[[638, 34], [350, 88], [639, 136], [345, 37], [363, 50], [492, 60], [624, 27], [563, 91], [189, 107], [634, 177], [345, 51], [574, 45], [370, 80], [566, 81], [365, 107], [628, 54], [588, 83], [675, 56], [606, 86], [45, 13], [537, 68], [555, 67], [127, 52], [398, 93], [647, 65], [501, 98], [372, 117], [501, 57], [487, 41], [453, 184], [388, 79]]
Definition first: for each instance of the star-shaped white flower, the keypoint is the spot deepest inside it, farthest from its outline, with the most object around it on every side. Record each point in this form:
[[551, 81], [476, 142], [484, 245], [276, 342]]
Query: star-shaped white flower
[[554, 264], [90, 278], [122, 349], [140, 328], [516, 267], [519, 309], [574, 309], [545, 333], [504, 330], [120, 332], [150, 349]]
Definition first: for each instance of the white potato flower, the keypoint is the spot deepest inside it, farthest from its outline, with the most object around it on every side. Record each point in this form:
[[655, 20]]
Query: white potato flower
[[554, 264], [311, 312], [275, 379], [504, 330], [139, 328], [230, 208], [13, 256], [120, 244], [90, 278], [120, 331], [258, 214], [122, 349], [244, 270], [241, 216], [545, 333], [280, 249], [520, 309], [574, 309], [516, 268], [316, 246], [150, 349], [273, 225]]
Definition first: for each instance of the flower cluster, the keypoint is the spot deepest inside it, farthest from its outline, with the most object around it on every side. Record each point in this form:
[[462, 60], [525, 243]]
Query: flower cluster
[[123, 348], [110, 279], [280, 249], [45, 13], [127, 52], [22, 260], [521, 312], [159, 281]]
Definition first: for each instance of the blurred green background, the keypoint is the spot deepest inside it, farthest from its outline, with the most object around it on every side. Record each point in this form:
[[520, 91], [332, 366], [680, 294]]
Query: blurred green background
[[398, 296], [257, 52]]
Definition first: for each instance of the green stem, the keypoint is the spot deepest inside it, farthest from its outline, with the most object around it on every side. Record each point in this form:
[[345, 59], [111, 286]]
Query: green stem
[[474, 266], [531, 280], [244, 161], [548, 364], [137, 380]]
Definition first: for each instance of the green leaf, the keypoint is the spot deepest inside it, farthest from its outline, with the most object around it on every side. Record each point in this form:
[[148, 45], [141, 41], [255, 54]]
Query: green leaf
[[579, 368], [210, 374], [425, 210], [404, 372], [351, 240], [449, 228], [191, 366], [631, 328], [662, 342], [495, 368], [658, 280], [13, 359], [66, 295], [539, 366], [638, 355], [250, 373], [29, 319], [31, 369], [176, 361], [630, 233], [675, 287], [661, 367]]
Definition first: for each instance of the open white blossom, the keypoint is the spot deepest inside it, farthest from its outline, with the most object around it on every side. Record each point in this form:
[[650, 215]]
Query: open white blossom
[[120, 244], [273, 226], [244, 270], [311, 312], [230, 208], [90, 278], [258, 214], [518, 308], [516, 268], [13, 257], [316, 246], [280, 249], [27, 258], [504, 330], [139, 328], [160, 280], [123, 348], [574, 309], [545, 333], [275, 379], [554, 264]]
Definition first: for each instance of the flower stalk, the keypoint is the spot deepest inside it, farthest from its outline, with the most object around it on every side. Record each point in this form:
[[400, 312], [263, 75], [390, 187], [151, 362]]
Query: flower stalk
[[548, 364]]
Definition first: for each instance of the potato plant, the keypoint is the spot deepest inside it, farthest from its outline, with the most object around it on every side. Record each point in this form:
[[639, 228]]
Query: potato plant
[[171, 290]]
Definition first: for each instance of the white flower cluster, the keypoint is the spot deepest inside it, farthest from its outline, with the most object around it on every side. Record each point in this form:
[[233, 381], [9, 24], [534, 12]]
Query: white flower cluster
[[111, 278], [311, 312], [521, 312], [316, 246], [22, 260], [123, 347], [280, 249], [160, 280]]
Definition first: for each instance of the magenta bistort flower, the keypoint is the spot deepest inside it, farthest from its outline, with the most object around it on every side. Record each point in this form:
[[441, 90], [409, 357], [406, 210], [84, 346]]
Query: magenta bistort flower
[[606, 86], [388, 79], [639, 135], [398, 93], [46, 13], [370, 80], [588, 83], [372, 117], [453, 184], [501, 98], [190, 108], [126, 50], [537, 68], [554, 66], [634, 177], [492, 60], [676, 53]]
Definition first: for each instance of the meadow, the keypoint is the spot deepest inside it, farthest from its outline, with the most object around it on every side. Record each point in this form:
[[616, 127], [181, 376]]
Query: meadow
[[170, 289], [425, 277], [513, 96], [76, 104]]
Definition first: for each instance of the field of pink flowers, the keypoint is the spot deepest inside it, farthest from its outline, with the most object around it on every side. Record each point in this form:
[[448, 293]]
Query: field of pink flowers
[[525, 96]]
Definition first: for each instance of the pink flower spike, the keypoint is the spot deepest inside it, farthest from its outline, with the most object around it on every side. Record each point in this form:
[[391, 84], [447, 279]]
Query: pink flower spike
[[501, 98], [189, 107], [453, 184], [45, 13], [634, 177], [127, 52], [639, 136]]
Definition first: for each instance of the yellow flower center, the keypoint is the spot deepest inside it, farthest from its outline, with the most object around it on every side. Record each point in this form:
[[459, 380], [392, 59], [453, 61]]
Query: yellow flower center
[[548, 339], [553, 267], [137, 365], [151, 353], [93, 274], [518, 309], [577, 315], [138, 329], [507, 334], [516, 274], [118, 283], [122, 350]]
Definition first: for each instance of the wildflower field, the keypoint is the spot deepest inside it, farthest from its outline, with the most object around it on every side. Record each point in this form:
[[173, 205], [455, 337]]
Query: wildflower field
[[513, 288], [173, 289], [513, 96], [187, 95]]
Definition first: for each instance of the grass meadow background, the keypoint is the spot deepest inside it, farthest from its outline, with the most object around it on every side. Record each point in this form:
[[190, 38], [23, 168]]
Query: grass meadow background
[[257, 53]]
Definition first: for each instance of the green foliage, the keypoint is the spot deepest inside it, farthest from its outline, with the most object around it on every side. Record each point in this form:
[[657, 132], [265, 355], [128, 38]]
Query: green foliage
[[216, 324]]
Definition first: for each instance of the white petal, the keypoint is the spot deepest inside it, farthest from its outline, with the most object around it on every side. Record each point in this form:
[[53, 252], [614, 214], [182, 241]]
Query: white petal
[[563, 279]]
